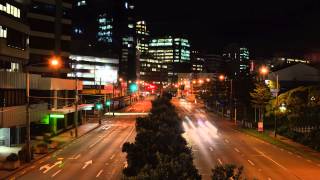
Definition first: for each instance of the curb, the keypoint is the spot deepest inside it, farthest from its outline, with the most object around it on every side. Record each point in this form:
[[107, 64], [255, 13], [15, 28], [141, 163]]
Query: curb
[[9, 176]]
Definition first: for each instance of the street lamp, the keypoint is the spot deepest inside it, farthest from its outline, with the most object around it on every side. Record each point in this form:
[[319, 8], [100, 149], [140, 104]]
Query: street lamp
[[222, 77], [55, 63], [264, 71]]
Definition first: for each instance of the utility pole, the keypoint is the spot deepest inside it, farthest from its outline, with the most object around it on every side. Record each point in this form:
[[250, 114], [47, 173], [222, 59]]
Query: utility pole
[[75, 118], [28, 139], [100, 110], [275, 109], [113, 84]]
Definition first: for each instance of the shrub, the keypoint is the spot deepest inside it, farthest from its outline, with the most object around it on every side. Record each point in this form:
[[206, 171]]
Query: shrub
[[13, 157]]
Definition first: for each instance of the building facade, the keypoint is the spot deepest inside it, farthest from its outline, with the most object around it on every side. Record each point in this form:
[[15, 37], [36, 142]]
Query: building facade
[[106, 29], [239, 59], [173, 52], [50, 24], [142, 38], [14, 35]]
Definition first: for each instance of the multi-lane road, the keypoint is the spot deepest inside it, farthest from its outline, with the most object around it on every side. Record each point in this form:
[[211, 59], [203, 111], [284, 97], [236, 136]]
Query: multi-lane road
[[97, 155], [215, 141]]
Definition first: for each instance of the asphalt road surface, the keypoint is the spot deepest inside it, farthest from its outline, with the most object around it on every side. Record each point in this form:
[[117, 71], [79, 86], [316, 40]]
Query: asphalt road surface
[[214, 141], [96, 155]]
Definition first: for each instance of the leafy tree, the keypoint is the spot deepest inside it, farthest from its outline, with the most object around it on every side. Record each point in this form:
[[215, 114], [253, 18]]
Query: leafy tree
[[159, 151], [260, 96], [227, 172]]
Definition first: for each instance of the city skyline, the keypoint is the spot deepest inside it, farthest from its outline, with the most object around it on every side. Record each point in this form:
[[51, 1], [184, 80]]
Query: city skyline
[[265, 27]]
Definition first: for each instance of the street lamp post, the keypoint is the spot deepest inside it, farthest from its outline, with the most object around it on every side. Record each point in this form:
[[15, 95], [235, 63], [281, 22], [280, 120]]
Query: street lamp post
[[55, 63], [28, 139], [277, 102]]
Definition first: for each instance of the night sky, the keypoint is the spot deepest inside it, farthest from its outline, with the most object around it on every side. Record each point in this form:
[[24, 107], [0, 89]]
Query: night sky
[[265, 26]]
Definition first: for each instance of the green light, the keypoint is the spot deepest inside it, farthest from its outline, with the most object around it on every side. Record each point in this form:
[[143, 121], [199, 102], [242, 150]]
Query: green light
[[108, 103], [133, 87], [45, 120], [58, 116], [99, 106]]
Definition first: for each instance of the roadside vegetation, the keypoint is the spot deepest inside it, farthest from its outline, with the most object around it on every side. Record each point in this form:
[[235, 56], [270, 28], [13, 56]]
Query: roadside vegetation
[[159, 150]]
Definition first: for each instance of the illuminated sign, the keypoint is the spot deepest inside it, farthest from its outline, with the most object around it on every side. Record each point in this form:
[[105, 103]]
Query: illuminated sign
[[58, 116]]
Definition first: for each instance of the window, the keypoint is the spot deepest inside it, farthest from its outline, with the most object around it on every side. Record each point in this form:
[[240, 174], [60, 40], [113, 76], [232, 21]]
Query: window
[[81, 3], [3, 32], [11, 10]]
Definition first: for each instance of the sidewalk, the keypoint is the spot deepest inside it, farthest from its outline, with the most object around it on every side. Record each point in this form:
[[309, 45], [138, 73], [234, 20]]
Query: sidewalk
[[296, 145], [62, 140]]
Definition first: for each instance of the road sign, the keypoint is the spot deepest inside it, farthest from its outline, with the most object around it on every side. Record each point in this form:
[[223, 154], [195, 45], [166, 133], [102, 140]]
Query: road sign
[[260, 126]]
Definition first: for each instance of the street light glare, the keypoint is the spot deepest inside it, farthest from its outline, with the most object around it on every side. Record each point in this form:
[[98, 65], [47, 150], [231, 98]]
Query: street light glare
[[55, 62], [221, 77], [264, 70]]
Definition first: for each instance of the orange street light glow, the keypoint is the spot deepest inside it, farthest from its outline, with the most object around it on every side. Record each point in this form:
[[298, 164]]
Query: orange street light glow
[[264, 70], [222, 77]]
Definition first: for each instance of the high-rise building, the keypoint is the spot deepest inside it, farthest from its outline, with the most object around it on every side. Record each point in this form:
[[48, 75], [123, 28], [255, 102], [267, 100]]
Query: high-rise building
[[106, 28], [197, 62], [125, 33], [142, 37], [153, 71], [173, 52], [50, 35], [14, 47], [239, 57]]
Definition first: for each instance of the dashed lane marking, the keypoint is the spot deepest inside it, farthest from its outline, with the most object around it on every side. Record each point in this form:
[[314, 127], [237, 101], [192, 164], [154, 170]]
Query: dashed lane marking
[[112, 156], [220, 162], [250, 162], [99, 173], [237, 150], [211, 149], [53, 175]]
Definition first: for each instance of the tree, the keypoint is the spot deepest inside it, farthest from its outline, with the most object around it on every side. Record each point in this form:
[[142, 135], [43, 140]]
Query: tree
[[260, 97], [159, 151], [227, 172]]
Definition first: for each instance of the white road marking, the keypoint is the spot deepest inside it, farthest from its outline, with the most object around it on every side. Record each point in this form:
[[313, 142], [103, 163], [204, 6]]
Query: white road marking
[[47, 167], [99, 173], [112, 156], [220, 162], [87, 164], [53, 175], [237, 150], [211, 149], [250, 162], [309, 160], [267, 157], [290, 152], [226, 140], [299, 156], [75, 157], [125, 140], [107, 164], [282, 149]]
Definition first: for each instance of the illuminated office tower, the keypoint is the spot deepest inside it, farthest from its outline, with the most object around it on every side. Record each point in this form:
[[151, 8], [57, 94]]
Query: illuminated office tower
[[142, 37], [239, 58], [173, 52]]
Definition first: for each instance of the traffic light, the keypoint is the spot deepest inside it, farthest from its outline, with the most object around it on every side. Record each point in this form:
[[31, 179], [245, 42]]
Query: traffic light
[[108, 103], [133, 87], [99, 106]]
